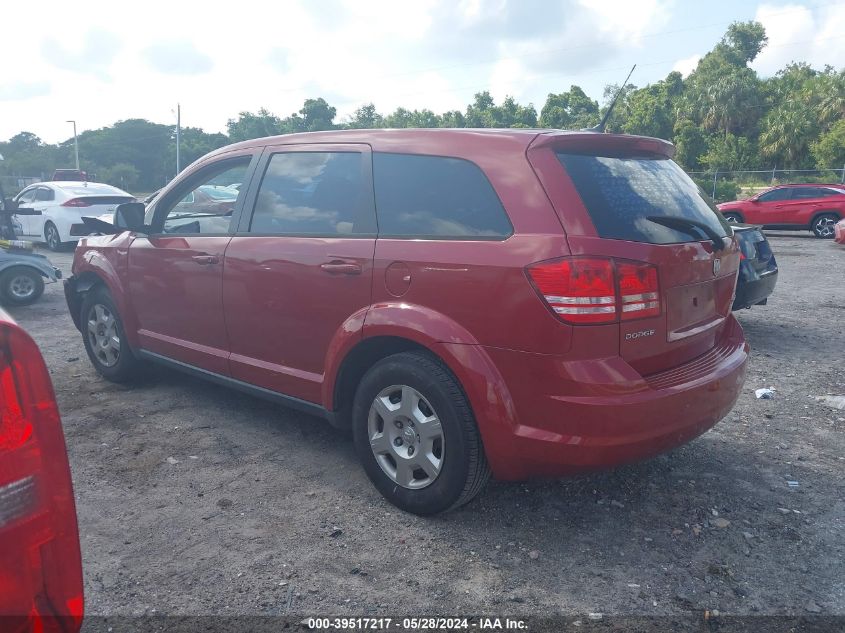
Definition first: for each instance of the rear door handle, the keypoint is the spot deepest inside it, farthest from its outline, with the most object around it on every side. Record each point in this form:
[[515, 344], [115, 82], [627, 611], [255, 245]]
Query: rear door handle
[[341, 268], [206, 260]]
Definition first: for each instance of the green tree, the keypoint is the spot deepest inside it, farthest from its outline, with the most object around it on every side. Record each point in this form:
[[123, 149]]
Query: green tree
[[569, 110], [787, 132], [453, 118], [829, 149], [248, 125], [729, 153], [366, 117], [690, 144], [121, 175], [317, 115]]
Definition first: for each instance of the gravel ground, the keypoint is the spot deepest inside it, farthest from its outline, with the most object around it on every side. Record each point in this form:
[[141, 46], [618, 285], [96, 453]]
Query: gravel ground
[[194, 499]]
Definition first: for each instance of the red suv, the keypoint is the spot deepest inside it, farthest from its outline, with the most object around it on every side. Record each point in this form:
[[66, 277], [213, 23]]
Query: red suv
[[814, 207], [530, 303]]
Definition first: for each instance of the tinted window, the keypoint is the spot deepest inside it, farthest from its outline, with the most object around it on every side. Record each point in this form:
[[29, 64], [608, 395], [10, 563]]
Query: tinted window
[[433, 196], [190, 208], [774, 196], [803, 193], [620, 194], [314, 193], [44, 195]]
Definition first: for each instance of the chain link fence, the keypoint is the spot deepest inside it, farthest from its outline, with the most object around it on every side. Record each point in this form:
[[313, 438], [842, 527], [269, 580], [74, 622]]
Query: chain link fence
[[724, 185]]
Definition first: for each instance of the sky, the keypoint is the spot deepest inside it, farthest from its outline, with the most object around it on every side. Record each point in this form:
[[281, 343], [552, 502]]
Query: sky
[[98, 62]]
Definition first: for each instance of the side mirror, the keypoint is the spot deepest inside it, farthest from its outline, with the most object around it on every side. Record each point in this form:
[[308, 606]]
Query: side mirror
[[129, 216]]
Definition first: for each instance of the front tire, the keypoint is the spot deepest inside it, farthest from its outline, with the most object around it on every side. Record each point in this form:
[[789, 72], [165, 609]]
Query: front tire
[[822, 226], [732, 218], [105, 338], [52, 237], [416, 436], [20, 286]]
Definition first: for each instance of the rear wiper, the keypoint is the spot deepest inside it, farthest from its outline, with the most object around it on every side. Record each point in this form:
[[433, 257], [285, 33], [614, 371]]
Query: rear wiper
[[686, 225]]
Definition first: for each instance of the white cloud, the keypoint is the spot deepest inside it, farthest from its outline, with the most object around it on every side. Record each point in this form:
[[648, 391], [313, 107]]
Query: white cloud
[[797, 33], [687, 65]]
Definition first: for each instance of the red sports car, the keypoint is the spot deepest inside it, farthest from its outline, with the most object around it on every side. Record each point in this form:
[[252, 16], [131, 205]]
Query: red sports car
[[793, 207]]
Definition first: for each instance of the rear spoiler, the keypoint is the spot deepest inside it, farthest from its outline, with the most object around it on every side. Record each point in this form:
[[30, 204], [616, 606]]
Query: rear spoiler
[[584, 142]]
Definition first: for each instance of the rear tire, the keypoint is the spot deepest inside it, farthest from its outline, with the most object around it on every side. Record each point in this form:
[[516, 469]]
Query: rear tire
[[416, 436], [105, 338], [52, 237], [20, 286], [732, 218], [822, 226]]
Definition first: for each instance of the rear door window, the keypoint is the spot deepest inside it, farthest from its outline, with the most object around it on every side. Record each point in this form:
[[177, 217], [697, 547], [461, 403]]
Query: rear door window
[[620, 194], [436, 197], [804, 193], [314, 193]]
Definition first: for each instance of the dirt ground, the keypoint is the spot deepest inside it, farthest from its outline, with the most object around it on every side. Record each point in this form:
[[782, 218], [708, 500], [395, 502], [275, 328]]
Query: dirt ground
[[194, 499]]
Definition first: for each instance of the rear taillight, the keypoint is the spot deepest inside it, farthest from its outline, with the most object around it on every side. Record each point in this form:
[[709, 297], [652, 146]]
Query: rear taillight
[[596, 289], [638, 291], [40, 566], [76, 202]]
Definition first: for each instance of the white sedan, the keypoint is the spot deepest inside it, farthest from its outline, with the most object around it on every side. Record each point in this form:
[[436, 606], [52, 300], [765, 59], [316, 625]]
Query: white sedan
[[63, 204]]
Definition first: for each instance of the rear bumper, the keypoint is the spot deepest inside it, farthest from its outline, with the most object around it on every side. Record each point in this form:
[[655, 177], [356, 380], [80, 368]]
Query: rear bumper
[[574, 416], [752, 288]]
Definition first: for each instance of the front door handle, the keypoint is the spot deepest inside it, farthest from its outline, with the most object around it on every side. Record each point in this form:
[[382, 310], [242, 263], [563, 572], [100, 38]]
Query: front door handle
[[341, 268], [206, 260]]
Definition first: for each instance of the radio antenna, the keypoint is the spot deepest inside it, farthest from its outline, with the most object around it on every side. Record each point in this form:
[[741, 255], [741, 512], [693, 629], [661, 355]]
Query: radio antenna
[[600, 126]]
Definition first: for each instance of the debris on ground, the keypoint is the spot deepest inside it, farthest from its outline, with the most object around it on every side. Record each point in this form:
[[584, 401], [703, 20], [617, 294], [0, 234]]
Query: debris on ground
[[765, 394], [834, 402]]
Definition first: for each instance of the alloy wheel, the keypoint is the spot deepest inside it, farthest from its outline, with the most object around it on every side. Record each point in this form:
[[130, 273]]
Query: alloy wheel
[[22, 287], [52, 235], [103, 335], [824, 227], [406, 437]]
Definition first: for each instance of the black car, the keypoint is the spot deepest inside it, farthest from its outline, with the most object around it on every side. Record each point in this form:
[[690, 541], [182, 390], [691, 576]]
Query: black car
[[758, 270]]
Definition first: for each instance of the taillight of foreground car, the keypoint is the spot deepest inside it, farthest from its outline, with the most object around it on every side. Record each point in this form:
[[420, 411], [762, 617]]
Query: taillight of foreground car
[[76, 202], [40, 565], [597, 290]]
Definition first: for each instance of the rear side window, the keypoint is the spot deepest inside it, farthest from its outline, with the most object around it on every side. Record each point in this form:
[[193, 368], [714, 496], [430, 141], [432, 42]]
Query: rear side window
[[436, 197], [807, 192], [620, 194], [314, 193], [44, 195]]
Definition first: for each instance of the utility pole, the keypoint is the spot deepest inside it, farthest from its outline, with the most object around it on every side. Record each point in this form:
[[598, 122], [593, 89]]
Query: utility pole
[[75, 144], [178, 134]]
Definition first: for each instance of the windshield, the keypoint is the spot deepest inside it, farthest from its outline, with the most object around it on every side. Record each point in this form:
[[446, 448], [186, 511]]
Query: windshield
[[620, 194]]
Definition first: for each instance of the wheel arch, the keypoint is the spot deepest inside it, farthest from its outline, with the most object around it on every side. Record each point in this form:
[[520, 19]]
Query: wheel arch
[[99, 271], [391, 329]]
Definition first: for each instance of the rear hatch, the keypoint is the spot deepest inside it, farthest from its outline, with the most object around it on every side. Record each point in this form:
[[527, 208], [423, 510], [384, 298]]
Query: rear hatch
[[622, 198], [755, 249], [93, 199]]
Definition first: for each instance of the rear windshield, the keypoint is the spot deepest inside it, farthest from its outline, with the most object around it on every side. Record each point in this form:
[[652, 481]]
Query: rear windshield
[[621, 193]]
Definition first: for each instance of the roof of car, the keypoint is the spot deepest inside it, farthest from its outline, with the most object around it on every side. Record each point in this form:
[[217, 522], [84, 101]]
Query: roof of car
[[79, 188], [809, 184], [432, 139]]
